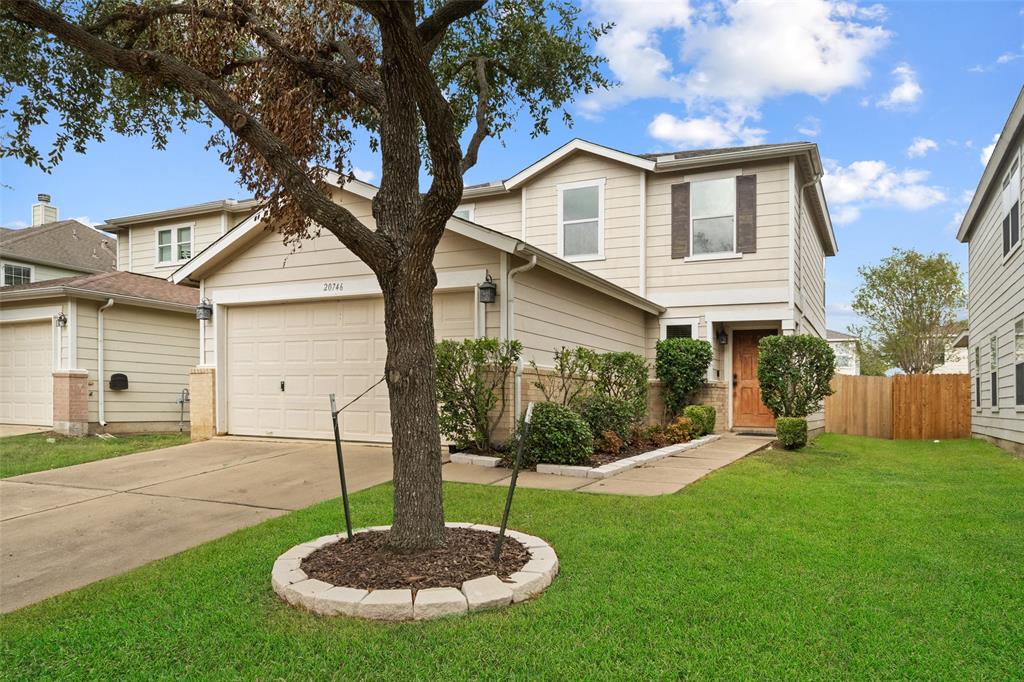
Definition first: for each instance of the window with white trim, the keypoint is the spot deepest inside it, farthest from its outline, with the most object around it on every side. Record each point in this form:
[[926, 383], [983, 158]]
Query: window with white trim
[[1011, 209], [1018, 358], [713, 217], [17, 274], [993, 347], [977, 376], [844, 353], [581, 214], [173, 245], [465, 212]]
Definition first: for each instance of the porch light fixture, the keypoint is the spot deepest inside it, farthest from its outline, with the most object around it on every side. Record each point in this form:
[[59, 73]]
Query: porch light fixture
[[61, 320], [488, 290], [722, 338], [204, 311]]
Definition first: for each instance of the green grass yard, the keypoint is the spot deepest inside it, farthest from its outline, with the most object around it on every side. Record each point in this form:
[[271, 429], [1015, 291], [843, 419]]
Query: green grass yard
[[855, 558], [29, 453]]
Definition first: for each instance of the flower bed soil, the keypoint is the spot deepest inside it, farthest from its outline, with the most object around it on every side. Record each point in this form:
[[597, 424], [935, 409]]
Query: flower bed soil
[[366, 562]]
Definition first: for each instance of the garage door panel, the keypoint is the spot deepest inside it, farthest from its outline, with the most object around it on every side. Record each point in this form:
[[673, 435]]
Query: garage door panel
[[26, 373], [318, 349]]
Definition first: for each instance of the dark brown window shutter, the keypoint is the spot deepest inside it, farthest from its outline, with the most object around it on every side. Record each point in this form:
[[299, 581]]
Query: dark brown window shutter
[[681, 220], [746, 213]]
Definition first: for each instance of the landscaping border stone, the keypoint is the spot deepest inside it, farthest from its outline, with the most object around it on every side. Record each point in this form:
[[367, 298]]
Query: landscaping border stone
[[292, 585], [626, 463]]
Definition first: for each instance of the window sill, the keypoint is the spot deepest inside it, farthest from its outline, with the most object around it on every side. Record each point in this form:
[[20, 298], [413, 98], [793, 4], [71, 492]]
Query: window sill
[[583, 259], [1013, 250], [712, 257], [164, 266]]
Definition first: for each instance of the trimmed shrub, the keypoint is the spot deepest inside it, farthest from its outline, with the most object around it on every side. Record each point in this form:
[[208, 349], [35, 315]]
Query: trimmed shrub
[[606, 413], [795, 373], [680, 430], [623, 376], [608, 443], [703, 418], [471, 379], [650, 437], [682, 366], [792, 432], [557, 436], [572, 378]]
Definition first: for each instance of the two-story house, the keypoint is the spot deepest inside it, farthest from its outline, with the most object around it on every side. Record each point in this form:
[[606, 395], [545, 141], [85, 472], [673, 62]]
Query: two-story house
[[587, 246], [992, 230], [847, 351]]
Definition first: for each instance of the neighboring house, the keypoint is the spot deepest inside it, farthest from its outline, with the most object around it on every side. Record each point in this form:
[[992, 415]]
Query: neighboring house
[[992, 230], [97, 352], [160, 242], [53, 248], [847, 350], [588, 246]]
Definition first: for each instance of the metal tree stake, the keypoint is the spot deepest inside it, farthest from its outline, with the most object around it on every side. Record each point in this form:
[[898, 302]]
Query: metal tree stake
[[512, 484]]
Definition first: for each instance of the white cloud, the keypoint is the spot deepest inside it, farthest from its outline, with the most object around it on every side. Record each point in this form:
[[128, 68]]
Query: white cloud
[[363, 174], [85, 220], [874, 183], [1007, 57], [921, 146], [702, 132], [723, 61], [986, 153], [810, 126], [907, 90]]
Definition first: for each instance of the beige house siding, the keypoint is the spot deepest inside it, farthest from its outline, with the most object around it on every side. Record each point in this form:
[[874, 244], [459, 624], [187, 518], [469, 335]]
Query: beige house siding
[[996, 302], [503, 213], [137, 253], [154, 348], [41, 272], [809, 270]]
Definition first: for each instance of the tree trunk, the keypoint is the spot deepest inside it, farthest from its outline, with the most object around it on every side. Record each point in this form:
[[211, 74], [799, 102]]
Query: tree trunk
[[411, 377]]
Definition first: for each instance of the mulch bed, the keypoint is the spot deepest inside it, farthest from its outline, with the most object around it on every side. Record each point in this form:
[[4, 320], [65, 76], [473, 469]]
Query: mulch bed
[[367, 563], [596, 460]]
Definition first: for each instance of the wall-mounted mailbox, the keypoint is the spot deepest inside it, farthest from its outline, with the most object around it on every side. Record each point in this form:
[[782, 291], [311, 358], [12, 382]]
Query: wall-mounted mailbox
[[118, 382]]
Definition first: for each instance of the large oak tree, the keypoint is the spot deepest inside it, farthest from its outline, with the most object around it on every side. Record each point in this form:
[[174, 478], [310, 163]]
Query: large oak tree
[[289, 87]]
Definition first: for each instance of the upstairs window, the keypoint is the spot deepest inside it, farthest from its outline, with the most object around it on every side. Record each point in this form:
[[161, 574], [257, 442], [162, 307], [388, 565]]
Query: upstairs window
[[977, 376], [173, 245], [581, 217], [1011, 209], [465, 212], [17, 274], [713, 217], [1018, 358]]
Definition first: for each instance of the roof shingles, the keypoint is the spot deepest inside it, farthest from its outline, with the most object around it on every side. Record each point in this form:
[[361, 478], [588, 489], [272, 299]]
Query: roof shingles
[[64, 243], [117, 283]]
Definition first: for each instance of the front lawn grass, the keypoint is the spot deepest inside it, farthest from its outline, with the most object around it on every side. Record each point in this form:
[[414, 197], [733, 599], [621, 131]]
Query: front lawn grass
[[29, 453], [855, 558]]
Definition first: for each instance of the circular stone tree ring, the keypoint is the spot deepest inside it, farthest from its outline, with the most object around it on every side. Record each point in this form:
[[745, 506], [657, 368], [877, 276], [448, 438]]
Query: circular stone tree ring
[[292, 584]]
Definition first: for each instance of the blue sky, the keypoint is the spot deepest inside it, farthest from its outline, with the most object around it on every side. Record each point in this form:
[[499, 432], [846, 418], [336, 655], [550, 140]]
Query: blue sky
[[903, 101]]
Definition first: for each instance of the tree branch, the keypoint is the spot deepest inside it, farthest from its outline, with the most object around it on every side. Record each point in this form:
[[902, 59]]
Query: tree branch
[[365, 243], [483, 104], [432, 28]]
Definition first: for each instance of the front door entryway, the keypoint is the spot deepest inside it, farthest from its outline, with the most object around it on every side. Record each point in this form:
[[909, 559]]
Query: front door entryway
[[747, 408]]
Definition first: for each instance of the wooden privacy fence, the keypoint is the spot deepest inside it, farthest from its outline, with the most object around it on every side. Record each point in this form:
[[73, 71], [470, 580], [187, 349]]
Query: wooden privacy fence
[[901, 407]]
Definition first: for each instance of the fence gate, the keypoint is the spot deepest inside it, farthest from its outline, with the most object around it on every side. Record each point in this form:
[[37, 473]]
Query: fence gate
[[901, 407]]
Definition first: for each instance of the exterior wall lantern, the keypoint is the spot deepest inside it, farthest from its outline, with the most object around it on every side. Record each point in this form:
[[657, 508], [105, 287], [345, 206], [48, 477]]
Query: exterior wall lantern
[[204, 311], [723, 338], [61, 320], [488, 290]]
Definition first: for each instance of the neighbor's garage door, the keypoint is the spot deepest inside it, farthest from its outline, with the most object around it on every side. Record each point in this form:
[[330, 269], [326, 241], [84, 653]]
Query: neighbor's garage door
[[284, 360], [26, 373]]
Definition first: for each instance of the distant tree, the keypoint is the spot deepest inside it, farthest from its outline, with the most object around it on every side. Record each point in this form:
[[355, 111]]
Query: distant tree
[[910, 303], [872, 363], [288, 89]]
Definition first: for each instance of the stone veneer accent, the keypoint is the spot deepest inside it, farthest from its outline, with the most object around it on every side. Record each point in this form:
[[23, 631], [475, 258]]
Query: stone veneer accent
[[202, 403], [292, 584], [71, 402]]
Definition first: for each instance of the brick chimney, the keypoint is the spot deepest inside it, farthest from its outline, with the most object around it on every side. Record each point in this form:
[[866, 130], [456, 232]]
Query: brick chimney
[[43, 212]]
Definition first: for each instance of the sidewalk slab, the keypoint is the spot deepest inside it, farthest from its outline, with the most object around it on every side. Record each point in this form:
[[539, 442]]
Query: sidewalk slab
[[470, 473]]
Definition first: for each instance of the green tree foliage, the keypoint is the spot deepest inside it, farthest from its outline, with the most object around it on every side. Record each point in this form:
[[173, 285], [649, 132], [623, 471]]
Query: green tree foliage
[[872, 363], [472, 377], [682, 366], [795, 373], [910, 304]]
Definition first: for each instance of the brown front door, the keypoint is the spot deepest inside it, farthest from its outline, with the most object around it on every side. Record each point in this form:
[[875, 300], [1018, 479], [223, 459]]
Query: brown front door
[[747, 408]]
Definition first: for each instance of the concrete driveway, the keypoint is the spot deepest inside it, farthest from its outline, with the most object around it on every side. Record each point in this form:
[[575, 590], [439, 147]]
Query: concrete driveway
[[66, 528]]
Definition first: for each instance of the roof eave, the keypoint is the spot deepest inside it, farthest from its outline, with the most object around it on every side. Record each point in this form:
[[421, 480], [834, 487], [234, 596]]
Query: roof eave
[[116, 224], [77, 292]]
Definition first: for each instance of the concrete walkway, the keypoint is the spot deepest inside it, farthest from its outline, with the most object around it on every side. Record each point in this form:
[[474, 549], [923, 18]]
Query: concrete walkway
[[662, 477], [68, 527], [21, 429]]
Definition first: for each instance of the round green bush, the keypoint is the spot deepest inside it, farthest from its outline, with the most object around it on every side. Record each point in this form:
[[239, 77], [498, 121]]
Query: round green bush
[[604, 413], [703, 418], [557, 436], [792, 432], [682, 366]]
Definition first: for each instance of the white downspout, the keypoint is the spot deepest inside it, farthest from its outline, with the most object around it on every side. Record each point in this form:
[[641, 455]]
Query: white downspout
[[99, 361], [510, 310]]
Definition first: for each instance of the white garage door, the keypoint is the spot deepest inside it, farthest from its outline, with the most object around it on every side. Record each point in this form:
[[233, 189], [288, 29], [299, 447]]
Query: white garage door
[[284, 360], [26, 373]]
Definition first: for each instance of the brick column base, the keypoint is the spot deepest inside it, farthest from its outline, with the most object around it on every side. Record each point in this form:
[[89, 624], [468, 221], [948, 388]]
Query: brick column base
[[203, 403], [71, 402]]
